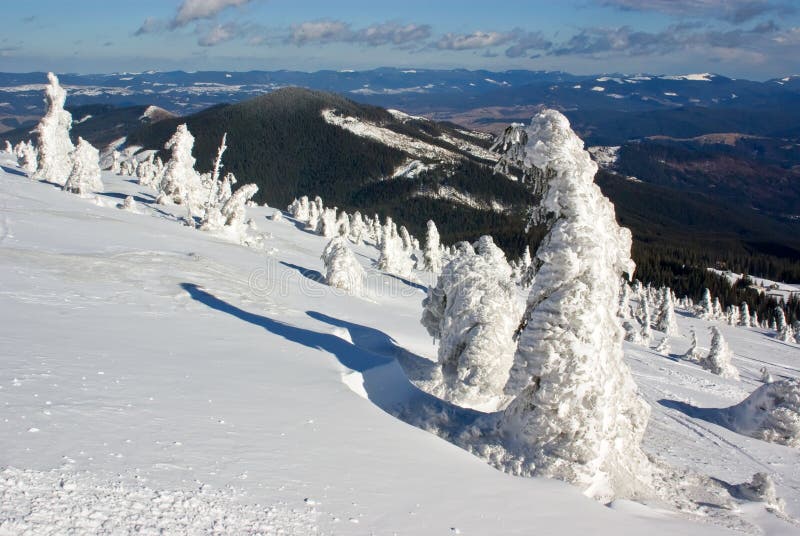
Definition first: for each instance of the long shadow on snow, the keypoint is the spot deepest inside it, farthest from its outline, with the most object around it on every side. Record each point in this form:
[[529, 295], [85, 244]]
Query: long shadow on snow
[[12, 171], [308, 273], [383, 379], [378, 342], [408, 282], [716, 416]]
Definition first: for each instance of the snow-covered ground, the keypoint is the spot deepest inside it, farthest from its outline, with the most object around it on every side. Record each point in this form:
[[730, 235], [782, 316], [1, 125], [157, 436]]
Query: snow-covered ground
[[781, 291], [158, 378]]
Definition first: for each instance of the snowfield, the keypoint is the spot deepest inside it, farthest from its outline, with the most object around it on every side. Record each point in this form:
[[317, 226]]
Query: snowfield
[[159, 379]]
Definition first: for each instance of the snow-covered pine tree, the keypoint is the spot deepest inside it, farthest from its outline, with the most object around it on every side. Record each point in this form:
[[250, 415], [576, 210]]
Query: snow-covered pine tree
[[666, 321], [624, 309], [766, 377], [718, 312], [432, 253], [474, 312], [358, 229], [342, 269], [744, 315], [54, 146], [577, 415], [180, 183], [718, 360], [393, 259], [645, 317], [663, 346], [326, 226], [85, 175], [405, 240], [706, 309], [693, 353], [343, 224], [313, 218], [27, 156], [7, 147]]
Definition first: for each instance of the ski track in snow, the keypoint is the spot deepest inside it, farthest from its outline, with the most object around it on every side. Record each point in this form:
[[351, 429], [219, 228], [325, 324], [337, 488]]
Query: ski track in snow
[[164, 377]]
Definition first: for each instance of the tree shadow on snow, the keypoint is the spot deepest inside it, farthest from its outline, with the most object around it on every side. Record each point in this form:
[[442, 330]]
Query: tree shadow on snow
[[119, 195], [378, 342], [12, 171], [384, 381], [712, 415], [308, 273], [408, 282]]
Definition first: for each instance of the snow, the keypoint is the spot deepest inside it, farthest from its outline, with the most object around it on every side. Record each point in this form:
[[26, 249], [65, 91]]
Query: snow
[[697, 77], [777, 289], [605, 156], [237, 388]]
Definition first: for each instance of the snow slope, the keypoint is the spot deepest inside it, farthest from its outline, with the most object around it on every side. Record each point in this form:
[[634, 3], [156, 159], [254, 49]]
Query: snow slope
[[157, 378]]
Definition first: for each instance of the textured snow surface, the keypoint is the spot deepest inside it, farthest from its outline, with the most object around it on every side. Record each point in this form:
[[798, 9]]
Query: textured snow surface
[[62, 502], [226, 377]]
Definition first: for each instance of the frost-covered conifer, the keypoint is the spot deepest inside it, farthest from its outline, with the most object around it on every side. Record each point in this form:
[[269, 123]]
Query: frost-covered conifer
[[706, 309], [744, 315], [645, 317], [577, 415], [766, 377], [432, 254], [342, 270], [624, 310], [358, 229], [666, 321], [181, 183], [7, 147], [405, 239], [771, 413], [693, 353], [277, 216], [343, 224], [718, 360], [780, 319], [85, 175], [27, 156], [115, 156], [474, 312], [393, 259], [717, 308], [313, 217], [663, 346], [54, 146], [327, 223]]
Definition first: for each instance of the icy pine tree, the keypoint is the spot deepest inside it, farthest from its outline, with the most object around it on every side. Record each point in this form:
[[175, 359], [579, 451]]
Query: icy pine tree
[[342, 270], [432, 253], [718, 360], [577, 415], [693, 353], [473, 311], [180, 183], [85, 175], [27, 156], [706, 309], [744, 315], [666, 321], [54, 145]]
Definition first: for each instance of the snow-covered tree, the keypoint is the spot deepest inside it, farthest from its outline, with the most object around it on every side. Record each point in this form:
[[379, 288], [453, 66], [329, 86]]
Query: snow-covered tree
[[358, 229], [666, 321], [393, 259], [717, 308], [27, 156], [718, 360], [645, 318], [115, 157], [771, 413], [663, 346], [85, 175], [180, 183], [313, 217], [624, 310], [299, 209], [577, 415], [277, 216], [432, 253], [693, 353], [326, 225], [342, 269], [744, 315], [7, 147], [706, 309], [343, 224], [405, 240], [474, 312], [766, 377], [54, 146]]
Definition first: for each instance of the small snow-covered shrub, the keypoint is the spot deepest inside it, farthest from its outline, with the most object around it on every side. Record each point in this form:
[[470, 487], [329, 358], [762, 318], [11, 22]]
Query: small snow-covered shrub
[[770, 413], [718, 360], [342, 269], [85, 174]]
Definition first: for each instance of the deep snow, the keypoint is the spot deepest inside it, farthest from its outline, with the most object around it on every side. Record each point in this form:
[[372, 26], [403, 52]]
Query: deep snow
[[142, 361]]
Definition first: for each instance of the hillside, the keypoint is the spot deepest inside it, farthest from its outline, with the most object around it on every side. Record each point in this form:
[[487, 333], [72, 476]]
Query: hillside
[[189, 384], [285, 143]]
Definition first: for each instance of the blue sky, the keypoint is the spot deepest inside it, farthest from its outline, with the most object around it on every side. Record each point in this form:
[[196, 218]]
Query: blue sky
[[755, 39]]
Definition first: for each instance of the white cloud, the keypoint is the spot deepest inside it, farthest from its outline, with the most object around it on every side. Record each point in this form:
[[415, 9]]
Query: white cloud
[[472, 41], [192, 10]]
